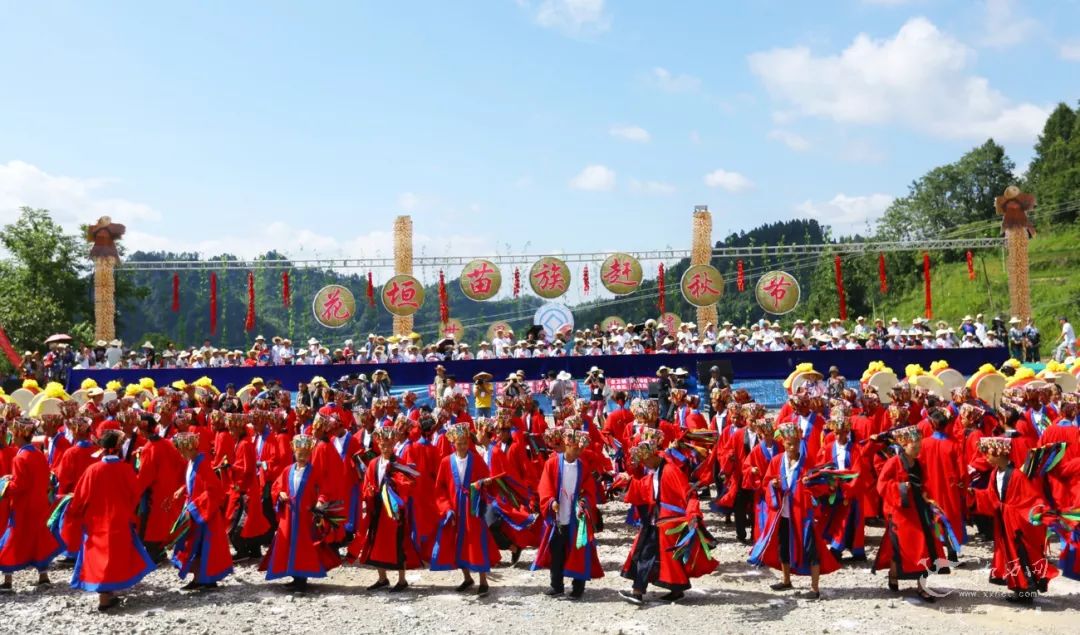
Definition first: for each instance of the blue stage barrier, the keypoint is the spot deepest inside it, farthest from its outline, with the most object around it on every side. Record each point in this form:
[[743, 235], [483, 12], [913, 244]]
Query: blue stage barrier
[[756, 365]]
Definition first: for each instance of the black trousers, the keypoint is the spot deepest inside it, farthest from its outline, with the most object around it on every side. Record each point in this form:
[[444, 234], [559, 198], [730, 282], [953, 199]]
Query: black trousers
[[495, 526], [646, 559], [744, 501], [559, 547], [783, 530]]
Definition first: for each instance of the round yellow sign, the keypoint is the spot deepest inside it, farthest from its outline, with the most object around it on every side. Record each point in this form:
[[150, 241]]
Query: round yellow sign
[[403, 295], [494, 328], [549, 277], [777, 292], [670, 322], [333, 306], [702, 285], [610, 322], [621, 274], [453, 328], [480, 280]]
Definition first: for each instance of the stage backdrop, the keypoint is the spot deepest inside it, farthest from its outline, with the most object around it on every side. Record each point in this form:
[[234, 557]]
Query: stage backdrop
[[765, 365]]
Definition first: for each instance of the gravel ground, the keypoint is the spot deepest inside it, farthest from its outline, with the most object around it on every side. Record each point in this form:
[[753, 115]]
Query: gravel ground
[[734, 599]]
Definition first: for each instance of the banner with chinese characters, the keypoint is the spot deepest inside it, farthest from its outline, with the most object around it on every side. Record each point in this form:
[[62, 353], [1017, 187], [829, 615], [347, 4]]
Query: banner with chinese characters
[[537, 386], [333, 306], [549, 277], [480, 280], [403, 295], [612, 322], [453, 328], [621, 274], [777, 292], [670, 322], [493, 330], [702, 285]]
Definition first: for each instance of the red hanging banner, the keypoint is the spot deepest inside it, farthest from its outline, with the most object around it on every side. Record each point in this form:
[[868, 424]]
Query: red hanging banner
[[971, 266], [585, 279], [249, 321], [175, 292], [9, 350], [840, 287], [881, 273], [370, 289], [926, 280], [517, 282], [660, 289], [740, 278], [285, 299], [444, 305], [213, 303]]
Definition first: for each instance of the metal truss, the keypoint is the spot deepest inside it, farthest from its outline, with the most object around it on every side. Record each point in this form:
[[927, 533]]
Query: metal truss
[[854, 248]]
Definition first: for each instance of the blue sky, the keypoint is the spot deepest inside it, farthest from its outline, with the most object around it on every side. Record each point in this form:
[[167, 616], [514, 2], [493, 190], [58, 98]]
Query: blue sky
[[538, 125]]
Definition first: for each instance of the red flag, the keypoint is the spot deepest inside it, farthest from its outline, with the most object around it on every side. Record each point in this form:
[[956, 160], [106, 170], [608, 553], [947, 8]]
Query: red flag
[[175, 292], [444, 304], [285, 299], [249, 321], [926, 280], [740, 278], [517, 282], [881, 273], [213, 303], [585, 279], [370, 289], [840, 287], [971, 267], [9, 350], [660, 288]]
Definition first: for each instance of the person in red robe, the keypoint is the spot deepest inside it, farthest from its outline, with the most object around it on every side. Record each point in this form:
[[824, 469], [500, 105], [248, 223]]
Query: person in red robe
[[945, 478], [383, 537], [160, 473], [77, 458], [26, 541], [99, 525], [203, 549], [843, 519], [664, 501], [1019, 560], [462, 539], [792, 541], [910, 548], [348, 444], [567, 495], [56, 442], [297, 549], [756, 464], [244, 511]]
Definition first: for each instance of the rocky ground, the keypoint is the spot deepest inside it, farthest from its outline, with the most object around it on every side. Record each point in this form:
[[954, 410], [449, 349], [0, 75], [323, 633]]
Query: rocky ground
[[734, 599]]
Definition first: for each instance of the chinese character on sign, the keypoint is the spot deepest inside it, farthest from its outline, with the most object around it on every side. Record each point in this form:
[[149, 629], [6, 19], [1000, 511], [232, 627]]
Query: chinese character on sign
[[699, 286], [450, 330], [480, 279], [549, 277], [403, 295], [777, 289], [333, 308], [620, 273]]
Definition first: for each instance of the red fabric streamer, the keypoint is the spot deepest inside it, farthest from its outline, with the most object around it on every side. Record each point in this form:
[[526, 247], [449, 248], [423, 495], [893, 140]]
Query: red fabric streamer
[[660, 289], [9, 350], [285, 298], [926, 280], [881, 273], [370, 289], [175, 292], [213, 303], [740, 279], [517, 282], [249, 321], [585, 279], [840, 287], [444, 304], [971, 266]]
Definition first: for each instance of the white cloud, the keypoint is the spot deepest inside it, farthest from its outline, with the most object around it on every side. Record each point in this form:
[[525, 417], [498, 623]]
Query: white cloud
[[408, 201], [570, 16], [630, 133], [1003, 26], [1070, 51], [657, 188], [670, 82], [920, 78], [71, 200], [594, 178], [847, 214], [790, 139], [730, 181]]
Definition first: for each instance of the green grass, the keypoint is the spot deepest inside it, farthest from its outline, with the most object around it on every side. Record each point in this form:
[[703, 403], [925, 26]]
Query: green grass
[[1054, 257]]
